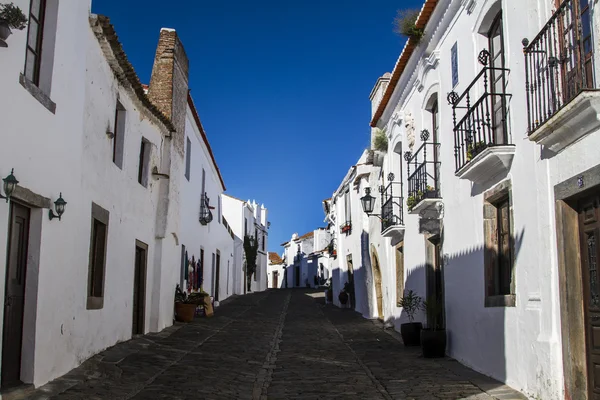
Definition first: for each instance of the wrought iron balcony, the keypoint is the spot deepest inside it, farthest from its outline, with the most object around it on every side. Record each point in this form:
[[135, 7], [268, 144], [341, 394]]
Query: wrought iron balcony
[[424, 180], [484, 123], [559, 65], [391, 205]]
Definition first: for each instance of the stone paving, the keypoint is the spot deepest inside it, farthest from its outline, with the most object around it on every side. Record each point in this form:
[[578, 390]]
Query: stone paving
[[279, 344]]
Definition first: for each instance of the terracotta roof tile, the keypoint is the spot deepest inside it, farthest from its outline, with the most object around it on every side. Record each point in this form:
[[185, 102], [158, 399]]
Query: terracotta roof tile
[[274, 258], [306, 236]]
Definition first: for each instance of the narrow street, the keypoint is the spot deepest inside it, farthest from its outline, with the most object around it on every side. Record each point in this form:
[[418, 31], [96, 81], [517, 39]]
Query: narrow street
[[279, 344]]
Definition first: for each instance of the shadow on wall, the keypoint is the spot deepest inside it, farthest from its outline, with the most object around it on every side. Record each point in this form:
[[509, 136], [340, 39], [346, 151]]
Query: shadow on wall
[[476, 333]]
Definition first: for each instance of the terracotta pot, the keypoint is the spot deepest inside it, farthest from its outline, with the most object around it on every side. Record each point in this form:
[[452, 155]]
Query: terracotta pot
[[433, 343], [411, 333], [185, 312]]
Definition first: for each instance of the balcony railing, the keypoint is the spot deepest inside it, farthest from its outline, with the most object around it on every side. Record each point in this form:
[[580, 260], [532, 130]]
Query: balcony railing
[[424, 180], [484, 123], [558, 62], [391, 205]]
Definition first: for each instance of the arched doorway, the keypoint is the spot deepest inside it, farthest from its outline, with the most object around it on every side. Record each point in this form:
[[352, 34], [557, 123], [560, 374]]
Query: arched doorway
[[377, 281]]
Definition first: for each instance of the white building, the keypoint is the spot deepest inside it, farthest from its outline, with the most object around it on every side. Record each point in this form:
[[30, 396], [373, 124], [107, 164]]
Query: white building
[[131, 161], [275, 271], [306, 258], [248, 218], [497, 156]]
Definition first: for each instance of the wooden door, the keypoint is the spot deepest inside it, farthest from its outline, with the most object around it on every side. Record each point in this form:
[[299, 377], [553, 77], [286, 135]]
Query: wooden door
[[14, 298], [274, 283], [589, 233], [139, 290], [351, 281], [217, 276]]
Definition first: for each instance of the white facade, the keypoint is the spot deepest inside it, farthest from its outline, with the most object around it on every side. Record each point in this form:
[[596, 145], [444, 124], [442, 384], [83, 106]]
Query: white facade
[[275, 272], [116, 151], [248, 218], [522, 334]]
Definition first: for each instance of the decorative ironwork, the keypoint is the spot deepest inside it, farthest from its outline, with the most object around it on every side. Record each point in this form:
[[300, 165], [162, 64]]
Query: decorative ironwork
[[390, 177], [452, 98], [558, 63], [424, 135], [407, 156], [593, 265], [381, 188], [484, 57], [391, 206], [484, 123], [423, 182]]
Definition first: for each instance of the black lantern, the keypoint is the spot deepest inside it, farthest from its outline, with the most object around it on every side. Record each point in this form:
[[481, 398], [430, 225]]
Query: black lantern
[[59, 205], [368, 202], [10, 183], [205, 213]]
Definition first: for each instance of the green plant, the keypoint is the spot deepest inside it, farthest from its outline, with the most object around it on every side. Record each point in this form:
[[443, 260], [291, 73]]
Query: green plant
[[380, 140], [251, 252], [182, 297], [13, 16], [433, 308], [473, 150], [411, 202], [411, 303], [405, 24]]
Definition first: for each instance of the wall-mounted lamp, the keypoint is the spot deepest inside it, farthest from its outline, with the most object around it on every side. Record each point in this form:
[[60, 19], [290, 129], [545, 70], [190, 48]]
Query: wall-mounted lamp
[[10, 183], [269, 225], [59, 205], [368, 203]]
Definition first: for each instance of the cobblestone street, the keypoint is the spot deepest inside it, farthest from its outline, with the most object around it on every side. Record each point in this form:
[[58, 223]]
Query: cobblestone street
[[283, 344]]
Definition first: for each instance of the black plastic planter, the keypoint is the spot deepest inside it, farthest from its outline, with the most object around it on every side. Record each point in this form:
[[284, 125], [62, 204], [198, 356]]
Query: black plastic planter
[[433, 343], [411, 333]]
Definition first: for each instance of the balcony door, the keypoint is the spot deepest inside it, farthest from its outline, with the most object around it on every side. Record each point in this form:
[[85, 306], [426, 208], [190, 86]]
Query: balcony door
[[497, 84]]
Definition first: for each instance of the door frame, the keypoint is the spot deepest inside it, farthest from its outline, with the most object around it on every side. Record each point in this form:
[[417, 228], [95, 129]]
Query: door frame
[[377, 282], [570, 280], [143, 285]]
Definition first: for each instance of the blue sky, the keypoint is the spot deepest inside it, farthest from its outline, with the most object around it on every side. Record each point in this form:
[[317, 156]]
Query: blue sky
[[282, 88]]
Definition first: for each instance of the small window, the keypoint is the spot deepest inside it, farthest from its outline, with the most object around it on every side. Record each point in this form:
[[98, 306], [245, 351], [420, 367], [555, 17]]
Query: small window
[[263, 242], [119, 135], [35, 37], [219, 209], [188, 160], [144, 162], [97, 262], [245, 226], [454, 62], [499, 247]]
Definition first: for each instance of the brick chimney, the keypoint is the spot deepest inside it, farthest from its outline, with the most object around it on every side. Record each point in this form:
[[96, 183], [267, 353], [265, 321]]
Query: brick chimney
[[169, 83]]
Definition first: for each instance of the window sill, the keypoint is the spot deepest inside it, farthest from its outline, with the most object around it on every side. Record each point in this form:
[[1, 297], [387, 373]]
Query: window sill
[[508, 300], [37, 93], [95, 303]]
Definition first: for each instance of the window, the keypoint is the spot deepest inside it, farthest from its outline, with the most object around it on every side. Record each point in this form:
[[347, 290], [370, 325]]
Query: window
[[183, 273], [499, 246], [188, 161], [399, 272], [347, 206], [498, 79], [263, 242], [454, 61], [35, 36], [201, 268], [119, 135], [143, 163], [245, 226], [219, 209], [97, 261]]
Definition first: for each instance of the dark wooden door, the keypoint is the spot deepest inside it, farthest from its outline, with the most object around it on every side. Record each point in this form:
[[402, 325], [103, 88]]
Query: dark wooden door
[[14, 300], [139, 291], [351, 282], [217, 276], [275, 276], [297, 276], [589, 233]]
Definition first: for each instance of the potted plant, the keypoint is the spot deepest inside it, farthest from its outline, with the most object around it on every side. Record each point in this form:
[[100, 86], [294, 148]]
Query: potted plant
[[380, 140], [433, 339], [344, 294], [11, 16], [185, 306], [405, 24], [329, 291], [411, 331], [474, 149]]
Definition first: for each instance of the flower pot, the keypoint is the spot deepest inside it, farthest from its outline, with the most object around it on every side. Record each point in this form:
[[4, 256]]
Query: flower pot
[[4, 32], [433, 343], [343, 297], [411, 333], [184, 312]]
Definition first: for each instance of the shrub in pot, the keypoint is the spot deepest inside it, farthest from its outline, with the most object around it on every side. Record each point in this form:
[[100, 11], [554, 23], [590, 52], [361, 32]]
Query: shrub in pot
[[411, 331], [185, 306], [343, 297], [11, 16], [433, 339]]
